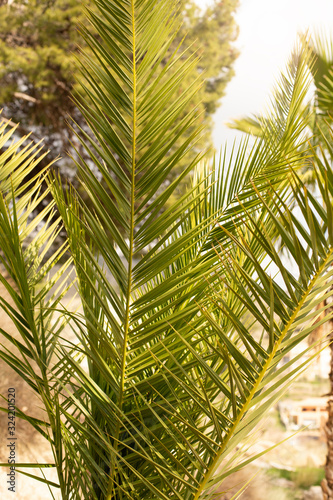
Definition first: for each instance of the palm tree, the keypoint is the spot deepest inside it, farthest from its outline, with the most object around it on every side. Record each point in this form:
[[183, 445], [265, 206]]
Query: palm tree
[[176, 357], [320, 136]]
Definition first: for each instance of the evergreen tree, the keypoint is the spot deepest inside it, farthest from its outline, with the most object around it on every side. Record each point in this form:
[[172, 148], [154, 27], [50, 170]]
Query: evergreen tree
[[38, 46]]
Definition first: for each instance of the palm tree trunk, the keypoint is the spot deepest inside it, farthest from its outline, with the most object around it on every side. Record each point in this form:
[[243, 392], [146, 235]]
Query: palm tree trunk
[[327, 483]]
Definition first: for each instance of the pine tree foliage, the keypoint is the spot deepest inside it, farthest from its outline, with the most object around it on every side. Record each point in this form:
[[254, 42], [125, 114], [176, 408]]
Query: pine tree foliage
[[38, 46]]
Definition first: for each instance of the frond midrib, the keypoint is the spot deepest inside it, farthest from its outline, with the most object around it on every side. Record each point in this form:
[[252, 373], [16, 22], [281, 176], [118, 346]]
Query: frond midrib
[[130, 254]]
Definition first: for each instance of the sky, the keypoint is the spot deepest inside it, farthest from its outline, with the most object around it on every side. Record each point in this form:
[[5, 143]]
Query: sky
[[267, 33]]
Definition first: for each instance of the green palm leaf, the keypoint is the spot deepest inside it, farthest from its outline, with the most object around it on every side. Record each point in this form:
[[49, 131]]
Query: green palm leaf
[[34, 278], [162, 396]]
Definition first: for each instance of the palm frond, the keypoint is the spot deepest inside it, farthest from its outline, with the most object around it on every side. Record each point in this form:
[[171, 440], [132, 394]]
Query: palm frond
[[33, 277], [174, 376], [289, 104]]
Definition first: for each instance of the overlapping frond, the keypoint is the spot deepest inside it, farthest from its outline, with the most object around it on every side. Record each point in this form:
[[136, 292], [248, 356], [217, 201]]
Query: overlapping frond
[[196, 388], [34, 275], [163, 306]]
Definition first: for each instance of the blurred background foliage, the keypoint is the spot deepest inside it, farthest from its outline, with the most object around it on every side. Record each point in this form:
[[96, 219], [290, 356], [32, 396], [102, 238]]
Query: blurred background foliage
[[39, 41]]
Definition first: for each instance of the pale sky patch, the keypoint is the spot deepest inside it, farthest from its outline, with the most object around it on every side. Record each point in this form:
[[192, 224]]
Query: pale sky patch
[[268, 32]]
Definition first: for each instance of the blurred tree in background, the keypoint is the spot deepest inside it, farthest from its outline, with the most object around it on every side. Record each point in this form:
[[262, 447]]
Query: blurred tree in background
[[38, 45], [38, 42]]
